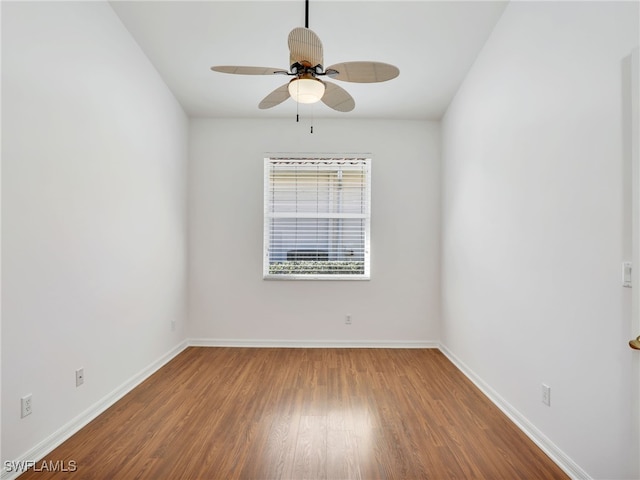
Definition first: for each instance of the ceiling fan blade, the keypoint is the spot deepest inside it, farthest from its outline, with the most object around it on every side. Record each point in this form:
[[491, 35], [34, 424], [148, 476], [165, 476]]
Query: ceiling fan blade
[[239, 70], [276, 97], [337, 98], [363, 72], [305, 46]]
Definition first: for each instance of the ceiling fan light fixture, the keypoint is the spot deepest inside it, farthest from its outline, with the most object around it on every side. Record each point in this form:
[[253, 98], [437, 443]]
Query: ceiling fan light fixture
[[306, 89]]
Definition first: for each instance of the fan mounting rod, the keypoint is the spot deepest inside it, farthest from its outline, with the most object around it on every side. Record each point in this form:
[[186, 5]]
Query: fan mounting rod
[[306, 13]]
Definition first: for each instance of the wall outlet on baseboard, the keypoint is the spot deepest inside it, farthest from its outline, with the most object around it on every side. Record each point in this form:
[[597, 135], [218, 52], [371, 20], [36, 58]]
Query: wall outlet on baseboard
[[347, 320], [79, 377], [546, 395], [26, 406], [173, 325]]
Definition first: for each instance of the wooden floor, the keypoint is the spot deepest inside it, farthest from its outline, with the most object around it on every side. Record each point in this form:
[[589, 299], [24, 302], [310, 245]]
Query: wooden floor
[[242, 413]]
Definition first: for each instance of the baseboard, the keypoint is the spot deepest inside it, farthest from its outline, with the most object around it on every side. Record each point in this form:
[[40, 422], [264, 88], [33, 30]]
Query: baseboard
[[225, 342], [558, 456], [67, 430]]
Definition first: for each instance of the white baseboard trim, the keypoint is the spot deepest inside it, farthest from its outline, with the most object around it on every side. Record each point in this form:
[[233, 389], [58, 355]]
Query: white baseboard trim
[[558, 456], [225, 342], [70, 428]]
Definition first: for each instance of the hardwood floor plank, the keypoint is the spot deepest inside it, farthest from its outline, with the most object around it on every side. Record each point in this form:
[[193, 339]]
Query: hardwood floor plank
[[288, 413], [309, 461], [342, 455]]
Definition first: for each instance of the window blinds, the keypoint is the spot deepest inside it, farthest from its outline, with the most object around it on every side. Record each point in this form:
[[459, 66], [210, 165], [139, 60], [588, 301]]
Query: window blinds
[[317, 217]]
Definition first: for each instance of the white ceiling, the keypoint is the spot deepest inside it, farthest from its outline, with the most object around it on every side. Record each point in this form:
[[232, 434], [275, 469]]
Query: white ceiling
[[433, 43]]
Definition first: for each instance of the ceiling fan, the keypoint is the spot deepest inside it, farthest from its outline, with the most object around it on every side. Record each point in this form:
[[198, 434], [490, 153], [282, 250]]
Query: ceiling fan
[[307, 67]]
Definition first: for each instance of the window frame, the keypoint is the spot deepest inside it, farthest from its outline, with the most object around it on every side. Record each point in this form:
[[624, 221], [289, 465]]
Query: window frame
[[365, 159]]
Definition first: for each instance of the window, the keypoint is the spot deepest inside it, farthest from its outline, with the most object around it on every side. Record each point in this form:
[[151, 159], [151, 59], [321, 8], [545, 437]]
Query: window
[[316, 218]]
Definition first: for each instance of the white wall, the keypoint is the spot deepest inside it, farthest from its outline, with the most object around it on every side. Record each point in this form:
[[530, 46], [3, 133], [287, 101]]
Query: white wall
[[535, 225], [94, 154], [229, 300]]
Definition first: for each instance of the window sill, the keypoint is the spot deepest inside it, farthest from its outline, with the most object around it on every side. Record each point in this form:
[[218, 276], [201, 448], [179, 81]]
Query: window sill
[[317, 277]]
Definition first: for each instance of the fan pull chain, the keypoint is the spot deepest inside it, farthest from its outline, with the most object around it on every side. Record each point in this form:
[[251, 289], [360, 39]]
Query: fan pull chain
[[313, 110], [297, 104]]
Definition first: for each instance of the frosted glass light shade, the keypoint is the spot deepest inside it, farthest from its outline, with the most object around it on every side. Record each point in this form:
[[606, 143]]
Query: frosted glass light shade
[[306, 90]]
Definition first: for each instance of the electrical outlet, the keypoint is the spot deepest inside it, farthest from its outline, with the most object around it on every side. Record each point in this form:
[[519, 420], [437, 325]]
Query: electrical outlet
[[79, 377], [25, 406], [546, 394], [347, 320], [173, 325]]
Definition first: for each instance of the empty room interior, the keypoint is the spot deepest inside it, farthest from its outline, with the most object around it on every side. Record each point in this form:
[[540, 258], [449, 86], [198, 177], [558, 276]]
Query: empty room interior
[[474, 217]]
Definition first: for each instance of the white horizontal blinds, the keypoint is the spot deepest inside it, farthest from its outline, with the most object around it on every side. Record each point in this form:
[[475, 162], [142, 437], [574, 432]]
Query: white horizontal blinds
[[317, 216]]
